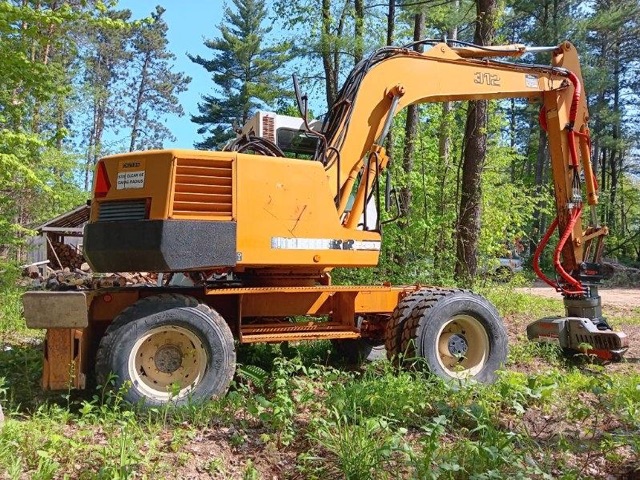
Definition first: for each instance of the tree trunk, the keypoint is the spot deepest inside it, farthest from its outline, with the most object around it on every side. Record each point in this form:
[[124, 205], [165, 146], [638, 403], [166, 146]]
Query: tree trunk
[[475, 148], [410, 131], [327, 63], [541, 163], [358, 31], [144, 73], [444, 156], [468, 230], [616, 154]]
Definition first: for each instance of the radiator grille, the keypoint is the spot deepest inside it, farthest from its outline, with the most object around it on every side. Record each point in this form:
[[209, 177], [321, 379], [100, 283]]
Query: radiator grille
[[122, 210], [600, 342], [203, 188]]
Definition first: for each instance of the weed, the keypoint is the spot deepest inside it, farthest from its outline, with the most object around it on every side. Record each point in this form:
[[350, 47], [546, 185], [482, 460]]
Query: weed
[[279, 409], [21, 367], [250, 472], [120, 456], [47, 466], [403, 396], [509, 302], [11, 321], [425, 462], [253, 374], [215, 466], [359, 447], [525, 353], [3, 390]]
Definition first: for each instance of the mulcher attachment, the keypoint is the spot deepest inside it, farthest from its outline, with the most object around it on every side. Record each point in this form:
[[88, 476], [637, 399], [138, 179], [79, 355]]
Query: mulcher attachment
[[580, 335]]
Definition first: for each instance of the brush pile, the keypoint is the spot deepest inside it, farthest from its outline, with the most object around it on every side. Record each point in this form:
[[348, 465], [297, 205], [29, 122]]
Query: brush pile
[[42, 277]]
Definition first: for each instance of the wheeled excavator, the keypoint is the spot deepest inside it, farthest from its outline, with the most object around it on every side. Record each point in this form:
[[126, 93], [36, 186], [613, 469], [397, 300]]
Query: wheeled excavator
[[257, 234]]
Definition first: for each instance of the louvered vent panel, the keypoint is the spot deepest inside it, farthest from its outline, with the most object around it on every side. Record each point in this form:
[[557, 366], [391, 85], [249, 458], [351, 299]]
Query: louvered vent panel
[[121, 211], [203, 188]]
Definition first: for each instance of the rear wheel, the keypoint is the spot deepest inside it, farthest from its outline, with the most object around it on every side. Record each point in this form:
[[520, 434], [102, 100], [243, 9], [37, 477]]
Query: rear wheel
[[458, 334], [402, 314], [142, 308], [368, 348], [360, 350], [180, 354]]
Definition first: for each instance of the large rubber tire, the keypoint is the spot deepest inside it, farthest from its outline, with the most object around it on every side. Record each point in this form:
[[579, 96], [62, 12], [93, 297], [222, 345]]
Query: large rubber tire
[[401, 315], [174, 354], [459, 335], [142, 308]]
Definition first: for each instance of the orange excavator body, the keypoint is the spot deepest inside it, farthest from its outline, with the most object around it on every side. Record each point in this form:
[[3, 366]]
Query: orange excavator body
[[256, 235]]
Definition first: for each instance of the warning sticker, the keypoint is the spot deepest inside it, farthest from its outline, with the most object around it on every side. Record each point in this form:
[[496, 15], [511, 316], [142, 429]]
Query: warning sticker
[[130, 180], [132, 164], [531, 81]]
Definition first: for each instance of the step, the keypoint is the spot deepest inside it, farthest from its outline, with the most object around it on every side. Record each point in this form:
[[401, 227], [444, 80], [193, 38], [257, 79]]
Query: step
[[289, 332]]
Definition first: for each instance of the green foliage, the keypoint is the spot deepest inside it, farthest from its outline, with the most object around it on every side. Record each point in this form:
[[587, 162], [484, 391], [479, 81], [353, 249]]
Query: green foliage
[[64, 64], [509, 302], [37, 50], [12, 325], [359, 449], [421, 248]]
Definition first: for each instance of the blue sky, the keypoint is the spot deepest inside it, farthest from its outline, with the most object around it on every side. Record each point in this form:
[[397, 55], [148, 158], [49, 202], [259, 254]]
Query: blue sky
[[190, 22]]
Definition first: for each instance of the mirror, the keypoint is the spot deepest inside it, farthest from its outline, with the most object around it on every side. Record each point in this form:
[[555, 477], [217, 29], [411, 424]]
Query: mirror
[[301, 100]]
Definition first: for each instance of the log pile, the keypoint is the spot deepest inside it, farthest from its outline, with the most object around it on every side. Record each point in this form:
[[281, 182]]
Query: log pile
[[617, 274], [82, 278], [64, 256]]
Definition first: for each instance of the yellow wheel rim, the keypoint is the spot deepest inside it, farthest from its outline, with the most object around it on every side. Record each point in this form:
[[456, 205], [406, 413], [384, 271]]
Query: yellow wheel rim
[[167, 362], [463, 346]]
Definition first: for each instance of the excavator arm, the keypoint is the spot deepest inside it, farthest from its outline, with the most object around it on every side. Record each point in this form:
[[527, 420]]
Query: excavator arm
[[393, 78]]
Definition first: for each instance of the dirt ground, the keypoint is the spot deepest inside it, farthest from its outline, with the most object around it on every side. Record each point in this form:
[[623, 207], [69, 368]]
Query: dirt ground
[[622, 297]]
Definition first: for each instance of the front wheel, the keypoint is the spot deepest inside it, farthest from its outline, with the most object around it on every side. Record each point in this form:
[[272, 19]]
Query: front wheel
[[458, 334], [178, 355]]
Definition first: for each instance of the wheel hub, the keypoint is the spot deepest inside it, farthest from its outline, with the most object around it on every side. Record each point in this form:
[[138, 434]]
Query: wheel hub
[[168, 359], [463, 346], [167, 362], [457, 345]]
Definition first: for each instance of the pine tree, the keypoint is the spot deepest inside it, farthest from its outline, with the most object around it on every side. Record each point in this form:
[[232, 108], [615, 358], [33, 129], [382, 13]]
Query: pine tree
[[244, 70], [106, 60], [153, 84], [613, 38]]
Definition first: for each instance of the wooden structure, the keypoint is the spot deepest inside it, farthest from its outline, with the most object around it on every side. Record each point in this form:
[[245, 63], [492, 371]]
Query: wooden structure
[[60, 239]]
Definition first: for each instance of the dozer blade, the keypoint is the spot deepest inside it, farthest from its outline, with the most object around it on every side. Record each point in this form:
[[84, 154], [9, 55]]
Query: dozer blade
[[580, 335]]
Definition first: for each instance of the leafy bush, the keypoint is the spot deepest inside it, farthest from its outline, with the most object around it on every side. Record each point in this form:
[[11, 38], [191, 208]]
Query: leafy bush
[[10, 304]]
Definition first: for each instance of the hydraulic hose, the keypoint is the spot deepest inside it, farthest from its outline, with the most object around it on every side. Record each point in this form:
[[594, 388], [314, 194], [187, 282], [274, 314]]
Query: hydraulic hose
[[536, 256], [575, 216]]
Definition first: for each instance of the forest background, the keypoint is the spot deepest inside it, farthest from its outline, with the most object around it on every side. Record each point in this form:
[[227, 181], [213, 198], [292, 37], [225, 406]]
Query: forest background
[[82, 79]]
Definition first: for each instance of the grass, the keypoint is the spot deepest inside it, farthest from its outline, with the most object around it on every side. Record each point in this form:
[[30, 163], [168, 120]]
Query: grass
[[297, 412]]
